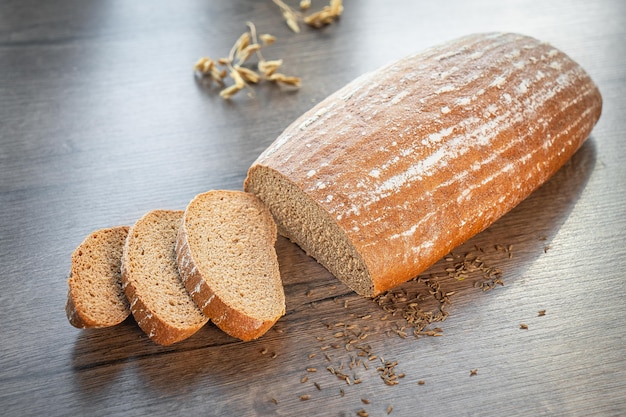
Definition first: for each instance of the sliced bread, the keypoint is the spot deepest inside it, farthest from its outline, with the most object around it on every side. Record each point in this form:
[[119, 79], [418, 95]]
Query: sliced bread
[[95, 297], [228, 263], [158, 300]]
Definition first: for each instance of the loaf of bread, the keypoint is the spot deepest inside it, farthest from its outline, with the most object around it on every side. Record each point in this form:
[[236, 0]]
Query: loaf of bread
[[393, 171], [228, 263], [95, 297], [158, 300]]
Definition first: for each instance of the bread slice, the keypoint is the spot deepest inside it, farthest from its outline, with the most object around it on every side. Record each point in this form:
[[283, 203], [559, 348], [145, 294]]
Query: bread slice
[[158, 300], [227, 260], [393, 171], [95, 297]]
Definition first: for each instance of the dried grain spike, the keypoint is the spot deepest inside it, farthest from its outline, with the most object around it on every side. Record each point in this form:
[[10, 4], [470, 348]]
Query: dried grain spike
[[284, 79], [267, 39], [241, 44], [268, 68], [228, 92], [247, 74], [290, 16]]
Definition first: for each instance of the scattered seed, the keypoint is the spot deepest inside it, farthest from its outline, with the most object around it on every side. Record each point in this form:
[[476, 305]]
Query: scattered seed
[[541, 313], [305, 397], [421, 382], [389, 409], [365, 401], [523, 326], [311, 369], [362, 413], [474, 372], [318, 386]]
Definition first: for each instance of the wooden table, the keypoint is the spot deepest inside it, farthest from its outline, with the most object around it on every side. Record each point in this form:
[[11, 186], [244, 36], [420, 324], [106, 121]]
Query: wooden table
[[101, 120]]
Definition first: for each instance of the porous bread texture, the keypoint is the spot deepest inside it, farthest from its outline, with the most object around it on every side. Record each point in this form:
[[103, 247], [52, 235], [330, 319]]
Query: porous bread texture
[[228, 263], [303, 221], [159, 302], [95, 297], [385, 176]]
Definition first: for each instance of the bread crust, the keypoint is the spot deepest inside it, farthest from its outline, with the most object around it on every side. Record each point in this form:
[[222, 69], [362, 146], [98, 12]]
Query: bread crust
[[75, 317], [415, 158], [232, 321]]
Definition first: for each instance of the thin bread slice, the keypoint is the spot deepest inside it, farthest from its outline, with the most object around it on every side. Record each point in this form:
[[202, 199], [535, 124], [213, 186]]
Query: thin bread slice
[[227, 260], [158, 300], [95, 297]]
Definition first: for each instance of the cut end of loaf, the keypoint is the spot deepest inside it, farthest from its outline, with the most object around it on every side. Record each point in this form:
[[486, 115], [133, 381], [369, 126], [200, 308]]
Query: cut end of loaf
[[304, 222], [95, 297], [228, 263]]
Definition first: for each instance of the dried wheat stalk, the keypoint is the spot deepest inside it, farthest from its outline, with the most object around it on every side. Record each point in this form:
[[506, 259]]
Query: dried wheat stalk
[[247, 45]]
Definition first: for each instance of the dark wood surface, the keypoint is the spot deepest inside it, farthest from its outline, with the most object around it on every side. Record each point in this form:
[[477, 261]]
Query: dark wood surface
[[101, 120]]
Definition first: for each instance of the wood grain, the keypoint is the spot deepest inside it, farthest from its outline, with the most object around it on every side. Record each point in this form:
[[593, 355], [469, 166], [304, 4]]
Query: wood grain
[[101, 120]]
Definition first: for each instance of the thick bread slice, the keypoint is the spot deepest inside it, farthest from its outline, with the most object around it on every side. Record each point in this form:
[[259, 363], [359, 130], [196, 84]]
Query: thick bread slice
[[95, 297], [228, 262], [391, 172], [158, 300]]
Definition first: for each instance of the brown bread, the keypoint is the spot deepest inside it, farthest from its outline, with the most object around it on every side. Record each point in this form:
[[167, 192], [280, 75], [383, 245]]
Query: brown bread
[[158, 300], [393, 171], [95, 297], [228, 263]]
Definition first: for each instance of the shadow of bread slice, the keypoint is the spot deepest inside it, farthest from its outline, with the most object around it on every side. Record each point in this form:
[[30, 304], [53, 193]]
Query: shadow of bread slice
[[227, 260], [158, 300], [95, 297]]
